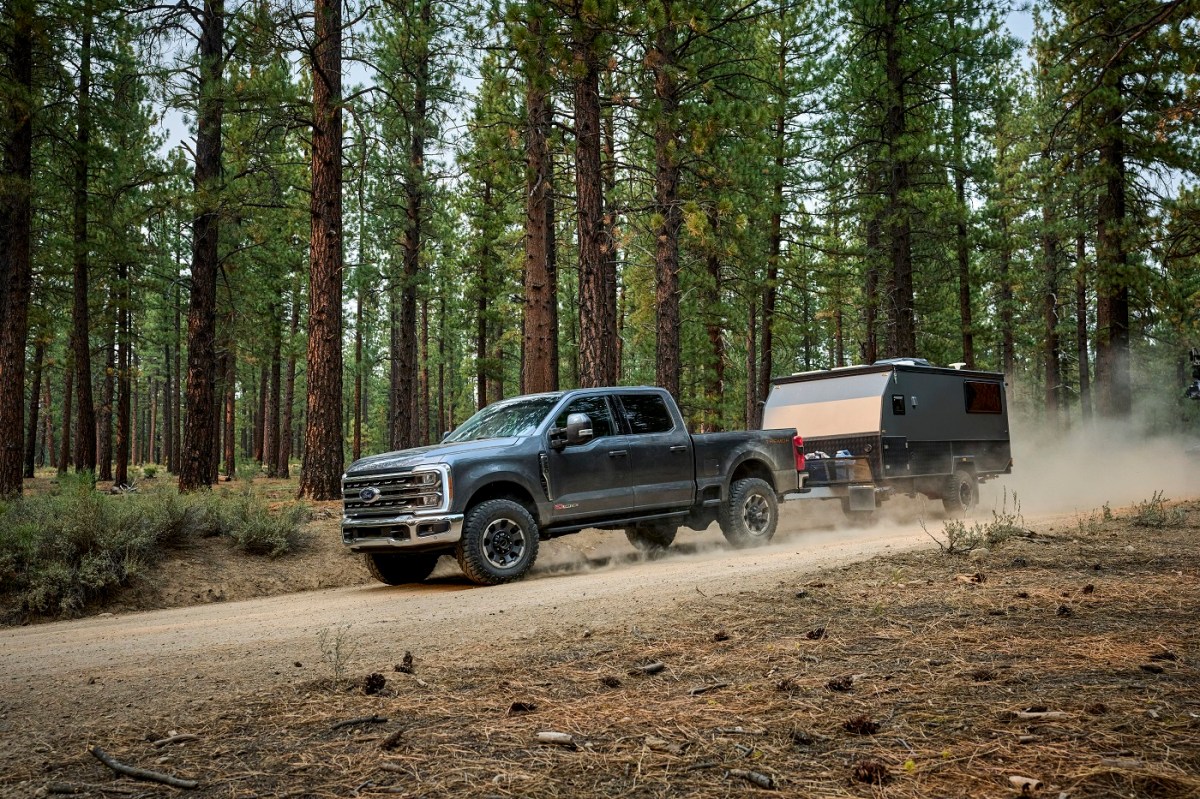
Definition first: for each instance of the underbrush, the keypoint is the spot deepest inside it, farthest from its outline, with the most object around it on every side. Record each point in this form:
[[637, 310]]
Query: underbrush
[[62, 551], [958, 538]]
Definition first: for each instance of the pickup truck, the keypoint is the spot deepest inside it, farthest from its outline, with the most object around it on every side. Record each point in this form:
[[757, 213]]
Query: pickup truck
[[540, 465]]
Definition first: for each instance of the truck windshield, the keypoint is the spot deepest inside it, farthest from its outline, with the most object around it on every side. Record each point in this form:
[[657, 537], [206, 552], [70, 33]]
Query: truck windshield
[[519, 417]]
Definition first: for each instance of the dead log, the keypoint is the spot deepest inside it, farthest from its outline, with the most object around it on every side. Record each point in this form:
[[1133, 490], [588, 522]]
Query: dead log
[[703, 689], [557, 739], [141, 773]]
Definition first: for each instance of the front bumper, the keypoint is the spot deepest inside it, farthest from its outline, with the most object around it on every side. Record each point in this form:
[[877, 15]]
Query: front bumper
[[406, 531]]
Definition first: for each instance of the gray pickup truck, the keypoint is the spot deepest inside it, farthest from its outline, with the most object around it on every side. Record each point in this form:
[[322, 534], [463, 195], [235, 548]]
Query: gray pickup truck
[[537, 466]]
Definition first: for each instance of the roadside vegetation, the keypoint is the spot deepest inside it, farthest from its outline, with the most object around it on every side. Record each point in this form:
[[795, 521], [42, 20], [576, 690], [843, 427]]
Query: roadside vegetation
[[75, 546]]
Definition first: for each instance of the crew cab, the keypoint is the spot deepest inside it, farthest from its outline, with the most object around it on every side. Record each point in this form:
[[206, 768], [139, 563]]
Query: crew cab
[[541, 465]]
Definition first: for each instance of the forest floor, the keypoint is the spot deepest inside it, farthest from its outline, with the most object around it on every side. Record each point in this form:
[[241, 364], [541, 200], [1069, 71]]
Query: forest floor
[[1065, 660]]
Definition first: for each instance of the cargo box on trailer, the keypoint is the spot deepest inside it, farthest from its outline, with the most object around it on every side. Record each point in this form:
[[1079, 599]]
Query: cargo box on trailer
[[900, 426]]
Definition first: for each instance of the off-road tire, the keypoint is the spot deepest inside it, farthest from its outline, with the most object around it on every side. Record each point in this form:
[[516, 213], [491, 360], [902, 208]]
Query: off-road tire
[[653, 538], [961, 493], [499, 542], [751, 514], [401, 569]]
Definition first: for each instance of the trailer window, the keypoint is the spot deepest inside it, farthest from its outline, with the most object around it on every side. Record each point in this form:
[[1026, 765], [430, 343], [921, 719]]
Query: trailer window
[[983, 397], [897, 404], [646, 413]]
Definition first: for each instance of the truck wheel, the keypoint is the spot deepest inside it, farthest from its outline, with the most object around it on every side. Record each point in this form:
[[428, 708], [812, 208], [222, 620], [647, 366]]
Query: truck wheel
[[961, 493], [499, 542], [396, 569], [651, 537], [750, 516]]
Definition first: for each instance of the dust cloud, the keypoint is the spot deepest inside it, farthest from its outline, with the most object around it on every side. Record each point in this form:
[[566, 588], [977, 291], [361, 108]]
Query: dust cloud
[[1102, 462]]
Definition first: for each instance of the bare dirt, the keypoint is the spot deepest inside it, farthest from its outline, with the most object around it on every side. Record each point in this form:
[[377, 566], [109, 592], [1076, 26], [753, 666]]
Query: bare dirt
[[835, 662]]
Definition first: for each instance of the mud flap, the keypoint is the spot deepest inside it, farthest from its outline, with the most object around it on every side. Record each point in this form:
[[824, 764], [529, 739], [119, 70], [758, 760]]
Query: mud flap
[[861, 498]]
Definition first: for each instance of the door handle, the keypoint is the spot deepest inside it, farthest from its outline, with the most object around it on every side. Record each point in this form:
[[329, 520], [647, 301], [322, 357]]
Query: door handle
[[618, 453], [679, 448]]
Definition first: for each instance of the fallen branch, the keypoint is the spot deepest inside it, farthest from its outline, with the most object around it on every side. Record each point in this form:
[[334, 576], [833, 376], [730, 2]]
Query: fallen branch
[[361, 720], [141, 773], [64, 788], [557, 739], [739, 731], [1047, 715], [175, 739], [761, 780], [703, 689]]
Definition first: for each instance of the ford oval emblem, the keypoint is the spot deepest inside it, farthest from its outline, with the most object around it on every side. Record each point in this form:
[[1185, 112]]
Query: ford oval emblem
[[370, 494]]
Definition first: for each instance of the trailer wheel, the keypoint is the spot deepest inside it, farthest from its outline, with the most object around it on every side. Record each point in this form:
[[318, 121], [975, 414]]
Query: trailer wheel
[[396, 569], [751, 515], [961, 492], [499, 542], [652, 538]]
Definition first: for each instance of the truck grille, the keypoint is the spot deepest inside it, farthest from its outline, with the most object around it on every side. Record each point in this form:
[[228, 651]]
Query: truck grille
[[408, 492]]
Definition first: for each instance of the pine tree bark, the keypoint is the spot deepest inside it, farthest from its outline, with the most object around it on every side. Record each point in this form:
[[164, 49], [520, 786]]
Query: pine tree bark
[[260, 414], [897, 224], [196, 457], [662, 58], [64, 452], [289, 394], [85, 427], [1115, 398], [121, 471], [35, 401], [273, 433], [320, 473], [539, 334], [1081, 326], [230, 437], [356, 445], [962, 212], [16, 273], [714, 327], [597, 278], [1051, 355]]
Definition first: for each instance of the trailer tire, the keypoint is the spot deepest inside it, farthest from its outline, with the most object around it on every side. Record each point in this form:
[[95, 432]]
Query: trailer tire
[[397, 569], [961, 493], [653, 538], [499, 542], [751, 515]]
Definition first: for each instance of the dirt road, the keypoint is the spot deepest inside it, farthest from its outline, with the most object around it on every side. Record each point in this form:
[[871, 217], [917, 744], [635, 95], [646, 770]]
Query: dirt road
[[586, 581]]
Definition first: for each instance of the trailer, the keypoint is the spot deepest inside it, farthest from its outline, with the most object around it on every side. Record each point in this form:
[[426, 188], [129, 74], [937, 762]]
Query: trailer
[[897, 426]]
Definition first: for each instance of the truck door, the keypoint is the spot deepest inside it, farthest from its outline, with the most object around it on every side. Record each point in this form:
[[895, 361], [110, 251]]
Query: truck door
[[591, 479], [661, 466]]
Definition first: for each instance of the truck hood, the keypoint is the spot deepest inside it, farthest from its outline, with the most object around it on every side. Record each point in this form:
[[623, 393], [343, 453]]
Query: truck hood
[[406, 459]]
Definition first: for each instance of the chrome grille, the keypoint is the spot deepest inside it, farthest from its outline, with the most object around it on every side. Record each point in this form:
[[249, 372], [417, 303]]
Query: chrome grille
[[408, 492]]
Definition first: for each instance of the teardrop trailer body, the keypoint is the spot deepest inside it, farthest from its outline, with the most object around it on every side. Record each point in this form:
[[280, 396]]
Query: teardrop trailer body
[[900, 426]]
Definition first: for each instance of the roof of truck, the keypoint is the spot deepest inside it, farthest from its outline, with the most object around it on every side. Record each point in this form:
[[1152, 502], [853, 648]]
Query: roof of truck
[[883, 366]]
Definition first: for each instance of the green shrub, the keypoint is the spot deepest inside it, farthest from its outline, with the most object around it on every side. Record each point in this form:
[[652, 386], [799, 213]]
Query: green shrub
[[1154, 512], [958, 538], [62, 551], [149, 471]]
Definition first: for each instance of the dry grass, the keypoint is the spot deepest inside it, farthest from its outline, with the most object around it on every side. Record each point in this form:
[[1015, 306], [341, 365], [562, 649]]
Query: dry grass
[[913, 691]]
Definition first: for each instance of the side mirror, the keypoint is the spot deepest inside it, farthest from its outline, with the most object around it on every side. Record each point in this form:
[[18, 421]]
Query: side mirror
[[579, 428], [446, 435]]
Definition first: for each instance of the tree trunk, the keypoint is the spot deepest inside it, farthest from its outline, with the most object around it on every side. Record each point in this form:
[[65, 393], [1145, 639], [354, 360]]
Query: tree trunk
[[597, 280], [177, 388], [273, 433], [714, 327], [289, 394], [539, 335], [1115, 398], [47, 454], [230, 437], [902, 338], [1051, 355], [320, 474], [85, 426], [962, 212], [16, 274], [64, 452], [1081, 329], [356, 445], [661, 59], [35, 401], [121, 472], [196, 461], [260, 415]]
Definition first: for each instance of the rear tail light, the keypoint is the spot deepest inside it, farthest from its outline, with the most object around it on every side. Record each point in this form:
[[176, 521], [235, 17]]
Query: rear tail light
[[798, 445]]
